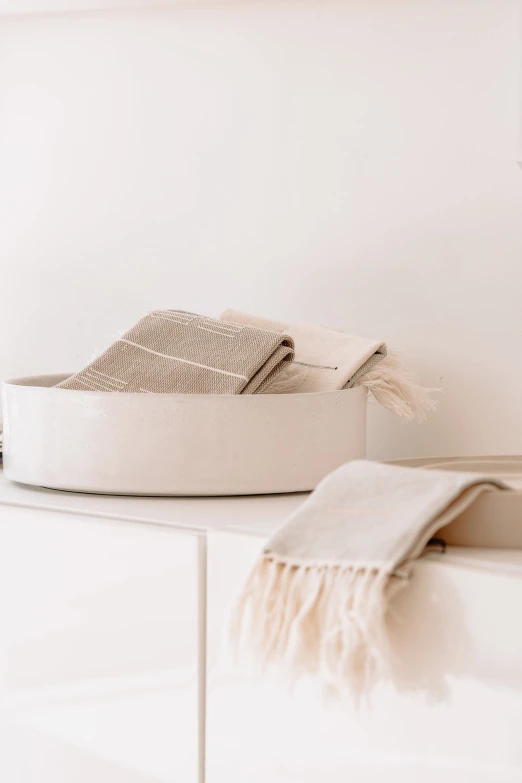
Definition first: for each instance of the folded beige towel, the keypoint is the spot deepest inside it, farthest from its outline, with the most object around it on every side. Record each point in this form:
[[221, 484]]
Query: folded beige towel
[[333, 360], [326, 360], [316, 600], [182, 353]]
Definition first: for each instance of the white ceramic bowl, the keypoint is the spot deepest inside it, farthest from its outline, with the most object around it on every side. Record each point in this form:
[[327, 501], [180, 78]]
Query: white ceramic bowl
[[170, 444]]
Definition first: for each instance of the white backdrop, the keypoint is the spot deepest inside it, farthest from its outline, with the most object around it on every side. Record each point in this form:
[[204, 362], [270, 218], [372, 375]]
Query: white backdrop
[[351, 163]]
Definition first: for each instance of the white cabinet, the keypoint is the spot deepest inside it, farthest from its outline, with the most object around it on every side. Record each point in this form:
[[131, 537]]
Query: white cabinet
[[103, 635], [98, 650], [453, 717], [103, 632]]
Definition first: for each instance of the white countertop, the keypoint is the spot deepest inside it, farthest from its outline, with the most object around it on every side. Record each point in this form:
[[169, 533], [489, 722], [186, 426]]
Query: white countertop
[[256, 515]]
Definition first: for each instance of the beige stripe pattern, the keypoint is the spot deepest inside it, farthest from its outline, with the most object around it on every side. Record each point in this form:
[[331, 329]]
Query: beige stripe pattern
[[170, 351]]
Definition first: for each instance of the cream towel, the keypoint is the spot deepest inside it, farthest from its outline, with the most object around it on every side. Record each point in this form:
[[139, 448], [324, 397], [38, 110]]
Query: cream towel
[[182, 353], [326, 360], [316, 601], [333, 360]]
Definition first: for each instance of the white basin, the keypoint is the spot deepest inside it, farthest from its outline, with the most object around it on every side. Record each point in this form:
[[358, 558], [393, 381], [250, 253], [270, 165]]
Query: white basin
[[172, 444]]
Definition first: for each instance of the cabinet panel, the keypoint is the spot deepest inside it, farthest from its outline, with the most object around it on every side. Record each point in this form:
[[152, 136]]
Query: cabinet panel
[[98, 651], [452, 715]]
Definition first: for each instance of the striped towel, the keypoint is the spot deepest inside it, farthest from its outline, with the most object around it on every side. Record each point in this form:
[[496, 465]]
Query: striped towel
[[170, 351]]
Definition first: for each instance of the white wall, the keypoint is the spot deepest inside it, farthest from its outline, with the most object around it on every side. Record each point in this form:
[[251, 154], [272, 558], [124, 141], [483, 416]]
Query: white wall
[[352, 163], [72, 6]]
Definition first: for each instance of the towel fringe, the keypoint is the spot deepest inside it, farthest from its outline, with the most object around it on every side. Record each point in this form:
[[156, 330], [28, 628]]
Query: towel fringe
[[398, 389], [322, 620], [287, 380]]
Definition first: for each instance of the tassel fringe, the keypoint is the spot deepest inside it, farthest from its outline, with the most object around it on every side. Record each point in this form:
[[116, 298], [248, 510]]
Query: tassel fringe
[[393, 386], [288, 380], [324, 620], [398, 389]]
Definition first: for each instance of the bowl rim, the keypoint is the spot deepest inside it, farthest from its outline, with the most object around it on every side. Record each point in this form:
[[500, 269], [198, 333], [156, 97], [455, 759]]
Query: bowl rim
[[31, 382]]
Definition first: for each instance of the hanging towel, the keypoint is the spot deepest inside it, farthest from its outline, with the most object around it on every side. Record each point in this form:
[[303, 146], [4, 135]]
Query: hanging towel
[[326, 360], [183, 353], [316, 601]]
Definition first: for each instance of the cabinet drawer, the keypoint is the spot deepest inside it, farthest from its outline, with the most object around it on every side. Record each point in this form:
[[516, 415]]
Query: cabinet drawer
[[98, 649]]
